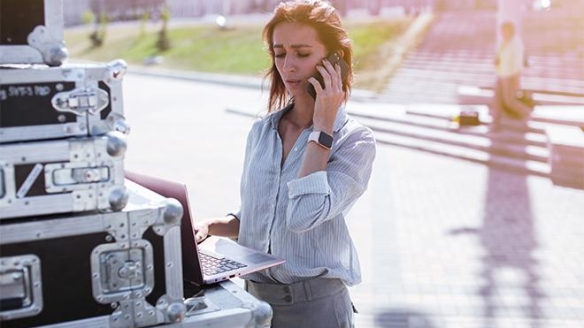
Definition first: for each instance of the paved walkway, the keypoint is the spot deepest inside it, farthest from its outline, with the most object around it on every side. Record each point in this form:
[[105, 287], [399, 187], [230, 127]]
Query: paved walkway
[[443, 243], [448, 243]]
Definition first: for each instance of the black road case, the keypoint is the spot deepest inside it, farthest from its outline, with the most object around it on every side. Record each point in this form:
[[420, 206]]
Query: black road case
[[39, 102], [117, 269]]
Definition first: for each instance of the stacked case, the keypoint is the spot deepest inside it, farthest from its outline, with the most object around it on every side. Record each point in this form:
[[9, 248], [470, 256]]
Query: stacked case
[[62, 142], [80, 246], [94, 269], [62, 127], [77, 246]]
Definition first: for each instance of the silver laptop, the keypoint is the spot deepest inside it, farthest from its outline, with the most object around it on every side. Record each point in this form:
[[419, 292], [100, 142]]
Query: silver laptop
[[215, 259]]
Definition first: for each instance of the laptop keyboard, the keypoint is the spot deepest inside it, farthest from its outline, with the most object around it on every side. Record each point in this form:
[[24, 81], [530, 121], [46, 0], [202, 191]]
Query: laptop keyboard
[[212, 265]]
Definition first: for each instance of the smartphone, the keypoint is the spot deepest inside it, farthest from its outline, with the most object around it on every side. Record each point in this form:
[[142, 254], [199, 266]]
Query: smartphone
[[333, 59]]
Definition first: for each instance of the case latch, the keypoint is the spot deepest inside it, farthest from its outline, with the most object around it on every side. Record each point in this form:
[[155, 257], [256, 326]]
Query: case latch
[[21, 292], [81, 100], [119, 273], [71, 176]]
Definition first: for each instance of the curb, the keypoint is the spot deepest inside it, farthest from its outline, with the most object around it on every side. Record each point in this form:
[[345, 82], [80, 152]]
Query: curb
[[250, 82]]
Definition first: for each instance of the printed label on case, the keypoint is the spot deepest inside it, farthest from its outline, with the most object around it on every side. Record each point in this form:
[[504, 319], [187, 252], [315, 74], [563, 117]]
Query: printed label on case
[[32, 176], [25, 91], [29, 104]]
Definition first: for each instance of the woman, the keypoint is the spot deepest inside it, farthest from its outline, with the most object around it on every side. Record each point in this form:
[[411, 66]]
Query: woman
[[305, 166]]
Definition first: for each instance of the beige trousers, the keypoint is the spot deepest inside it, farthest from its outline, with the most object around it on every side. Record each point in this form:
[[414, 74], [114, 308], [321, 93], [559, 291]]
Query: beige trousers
[[505, 99]]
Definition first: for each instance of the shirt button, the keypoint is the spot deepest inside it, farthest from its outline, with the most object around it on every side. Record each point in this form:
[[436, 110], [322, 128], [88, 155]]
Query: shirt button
[[295, 148]]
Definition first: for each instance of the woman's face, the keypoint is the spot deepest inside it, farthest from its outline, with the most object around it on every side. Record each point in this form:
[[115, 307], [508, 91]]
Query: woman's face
[[297, 51]]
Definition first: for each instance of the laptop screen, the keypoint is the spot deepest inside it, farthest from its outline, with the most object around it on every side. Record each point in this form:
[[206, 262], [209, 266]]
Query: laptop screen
[[171, 189]]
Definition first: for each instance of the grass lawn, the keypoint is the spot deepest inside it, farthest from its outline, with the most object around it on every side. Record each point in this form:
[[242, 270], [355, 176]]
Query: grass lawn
[[238, 50]]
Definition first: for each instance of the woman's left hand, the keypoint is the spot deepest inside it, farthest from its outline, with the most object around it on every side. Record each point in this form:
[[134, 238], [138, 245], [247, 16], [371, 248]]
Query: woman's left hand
[[328, 99]]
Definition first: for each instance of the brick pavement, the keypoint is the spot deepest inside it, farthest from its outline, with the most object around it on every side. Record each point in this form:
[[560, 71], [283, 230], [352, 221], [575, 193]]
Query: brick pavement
[[463, 245], [443, 242]]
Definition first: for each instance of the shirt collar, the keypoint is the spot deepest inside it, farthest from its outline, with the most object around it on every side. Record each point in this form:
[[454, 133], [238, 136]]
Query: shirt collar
[[339, 120]]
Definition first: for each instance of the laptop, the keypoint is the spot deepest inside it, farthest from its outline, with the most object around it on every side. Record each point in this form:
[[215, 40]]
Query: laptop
[[215, 259]]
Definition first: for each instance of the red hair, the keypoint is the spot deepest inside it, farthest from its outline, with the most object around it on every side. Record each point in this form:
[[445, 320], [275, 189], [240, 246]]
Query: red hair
[[321, 16]]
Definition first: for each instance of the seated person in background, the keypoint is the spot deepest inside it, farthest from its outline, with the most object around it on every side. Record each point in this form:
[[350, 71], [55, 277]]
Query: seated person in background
[[509, 65]]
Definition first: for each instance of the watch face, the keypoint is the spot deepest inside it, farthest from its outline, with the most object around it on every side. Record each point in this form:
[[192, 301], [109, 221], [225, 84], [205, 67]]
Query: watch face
[[325, 140]]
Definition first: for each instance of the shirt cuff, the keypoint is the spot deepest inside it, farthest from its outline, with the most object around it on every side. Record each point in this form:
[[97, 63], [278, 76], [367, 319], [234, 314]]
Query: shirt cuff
[[314, 183]]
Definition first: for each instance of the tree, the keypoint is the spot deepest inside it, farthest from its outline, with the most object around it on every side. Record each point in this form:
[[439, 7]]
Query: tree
[[163, 42], [98, 35]]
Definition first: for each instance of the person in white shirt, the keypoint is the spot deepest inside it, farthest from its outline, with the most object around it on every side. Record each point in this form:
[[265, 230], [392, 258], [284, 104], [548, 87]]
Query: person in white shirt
[[509, 65], [306, 163]]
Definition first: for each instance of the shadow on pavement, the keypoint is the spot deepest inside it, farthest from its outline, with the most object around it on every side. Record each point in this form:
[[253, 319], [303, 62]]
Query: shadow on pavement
[[509, 274], [402, 318]]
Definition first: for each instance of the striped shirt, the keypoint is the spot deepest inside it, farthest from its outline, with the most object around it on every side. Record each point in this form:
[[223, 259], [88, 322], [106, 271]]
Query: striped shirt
[[303, 219]]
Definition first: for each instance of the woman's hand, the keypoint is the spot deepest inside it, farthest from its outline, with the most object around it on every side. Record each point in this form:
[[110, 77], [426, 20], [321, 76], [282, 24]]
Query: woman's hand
[[226, 227], [328, 99], [201, 231]]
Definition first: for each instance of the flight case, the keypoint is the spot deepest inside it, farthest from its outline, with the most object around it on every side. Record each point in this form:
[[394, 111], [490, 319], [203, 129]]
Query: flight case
[[62, 176], [112, 270], [39, 102], [116, 269]]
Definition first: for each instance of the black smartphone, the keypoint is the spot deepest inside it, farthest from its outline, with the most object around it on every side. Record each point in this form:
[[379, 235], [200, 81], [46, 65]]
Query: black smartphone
[[333, 59]]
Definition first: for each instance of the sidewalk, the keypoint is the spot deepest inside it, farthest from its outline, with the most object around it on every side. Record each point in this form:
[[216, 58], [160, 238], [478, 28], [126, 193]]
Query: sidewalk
[[443, 243], [447, 243]]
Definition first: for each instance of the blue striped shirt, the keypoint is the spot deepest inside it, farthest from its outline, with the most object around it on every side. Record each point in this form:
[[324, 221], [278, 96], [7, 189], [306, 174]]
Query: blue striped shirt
[[303, 219]]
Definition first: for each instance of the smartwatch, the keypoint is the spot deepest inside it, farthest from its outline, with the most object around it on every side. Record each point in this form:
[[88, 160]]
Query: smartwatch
[[321, 138]]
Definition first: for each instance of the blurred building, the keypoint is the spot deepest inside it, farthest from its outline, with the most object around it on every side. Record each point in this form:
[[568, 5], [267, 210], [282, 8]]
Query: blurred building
[[118, 10], [134, 9]]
